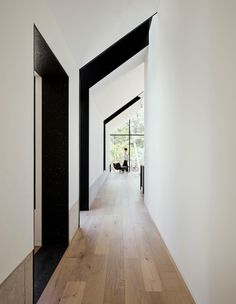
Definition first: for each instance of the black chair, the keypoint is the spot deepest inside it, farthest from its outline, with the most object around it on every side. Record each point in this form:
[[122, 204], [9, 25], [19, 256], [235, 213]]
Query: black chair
[[117, 166]]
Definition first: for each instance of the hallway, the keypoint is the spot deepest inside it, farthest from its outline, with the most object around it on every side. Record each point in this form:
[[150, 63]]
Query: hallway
[[117, 256]]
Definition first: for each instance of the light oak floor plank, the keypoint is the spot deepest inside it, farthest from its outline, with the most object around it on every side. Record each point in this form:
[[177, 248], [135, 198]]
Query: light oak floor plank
[[73, 293], [152, 281], [117, 256]]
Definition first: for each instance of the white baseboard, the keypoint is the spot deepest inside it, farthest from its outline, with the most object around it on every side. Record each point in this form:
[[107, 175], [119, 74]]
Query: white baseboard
[[73, 220], [96, 186]]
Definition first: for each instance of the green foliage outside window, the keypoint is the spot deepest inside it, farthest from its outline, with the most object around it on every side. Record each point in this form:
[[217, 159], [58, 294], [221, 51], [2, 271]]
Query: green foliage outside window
[[118, 143]]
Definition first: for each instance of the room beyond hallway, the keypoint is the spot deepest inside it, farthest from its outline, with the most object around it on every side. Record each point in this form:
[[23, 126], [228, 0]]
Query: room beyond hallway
[[117, 256]]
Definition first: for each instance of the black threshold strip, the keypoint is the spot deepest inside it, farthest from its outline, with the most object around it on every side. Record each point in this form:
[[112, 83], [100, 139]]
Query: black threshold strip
[[45, 263]]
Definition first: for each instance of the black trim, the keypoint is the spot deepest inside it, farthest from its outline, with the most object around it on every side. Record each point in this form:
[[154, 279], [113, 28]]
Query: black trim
[[90, 74], [122, 109], [84, 147]]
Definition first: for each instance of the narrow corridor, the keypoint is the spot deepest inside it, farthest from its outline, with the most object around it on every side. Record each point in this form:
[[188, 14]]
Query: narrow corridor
[[117, 256]]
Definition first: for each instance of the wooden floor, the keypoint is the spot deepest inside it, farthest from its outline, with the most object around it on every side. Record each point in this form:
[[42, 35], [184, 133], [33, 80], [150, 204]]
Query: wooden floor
[[118, 256]]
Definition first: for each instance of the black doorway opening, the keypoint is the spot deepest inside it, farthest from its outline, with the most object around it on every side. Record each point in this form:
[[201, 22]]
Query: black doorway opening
[[110, 118], [55, 164], [90, 74]]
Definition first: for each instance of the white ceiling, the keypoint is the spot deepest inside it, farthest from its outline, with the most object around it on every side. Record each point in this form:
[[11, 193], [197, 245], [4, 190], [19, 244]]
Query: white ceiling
[[126, 67], [91, 26], [119, 88]]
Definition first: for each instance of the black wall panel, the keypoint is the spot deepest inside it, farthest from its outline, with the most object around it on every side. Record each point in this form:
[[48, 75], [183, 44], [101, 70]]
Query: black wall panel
[[84, 146], [55, 160]]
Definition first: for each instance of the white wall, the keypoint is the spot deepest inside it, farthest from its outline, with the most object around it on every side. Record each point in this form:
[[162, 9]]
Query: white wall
[[16, 123], [95, 143], [190, 164], [97, 175], [106, 22]]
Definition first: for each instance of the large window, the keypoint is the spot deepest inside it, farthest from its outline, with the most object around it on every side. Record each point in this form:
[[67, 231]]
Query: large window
[[130, 136]]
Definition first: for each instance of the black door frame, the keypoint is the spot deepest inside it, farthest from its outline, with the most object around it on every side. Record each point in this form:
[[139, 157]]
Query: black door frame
[[55, 162], [90, 74]]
